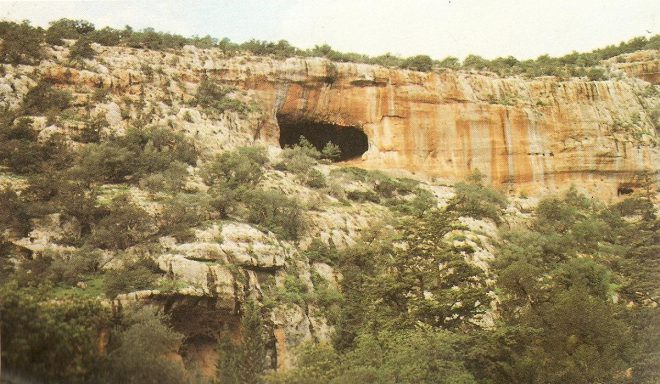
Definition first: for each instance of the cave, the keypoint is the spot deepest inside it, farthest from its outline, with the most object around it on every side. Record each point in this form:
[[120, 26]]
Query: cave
[[623, 190], [352, 141]]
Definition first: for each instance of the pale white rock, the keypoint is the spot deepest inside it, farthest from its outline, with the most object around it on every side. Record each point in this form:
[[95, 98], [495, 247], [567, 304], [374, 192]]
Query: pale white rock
[[291, 327], [327, 273], [245, 245], [210, 279], [201, 251], [190, 113]]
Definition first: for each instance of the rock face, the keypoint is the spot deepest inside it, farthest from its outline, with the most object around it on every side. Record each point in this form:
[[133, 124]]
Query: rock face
[[540, 134], [642, 64]]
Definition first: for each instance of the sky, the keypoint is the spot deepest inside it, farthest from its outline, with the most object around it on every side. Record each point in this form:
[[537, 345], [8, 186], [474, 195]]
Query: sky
[[489, 28]]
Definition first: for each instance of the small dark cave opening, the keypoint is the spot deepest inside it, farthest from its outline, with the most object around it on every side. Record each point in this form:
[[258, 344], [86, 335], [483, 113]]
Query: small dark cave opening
[[352, 141]]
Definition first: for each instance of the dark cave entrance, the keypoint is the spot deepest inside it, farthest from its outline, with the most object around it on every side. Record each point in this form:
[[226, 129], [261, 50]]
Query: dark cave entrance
[[352, 141]]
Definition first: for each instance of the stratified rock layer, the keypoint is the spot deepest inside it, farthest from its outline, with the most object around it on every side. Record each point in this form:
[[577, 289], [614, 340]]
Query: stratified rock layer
[[538, 135], [542, 134]]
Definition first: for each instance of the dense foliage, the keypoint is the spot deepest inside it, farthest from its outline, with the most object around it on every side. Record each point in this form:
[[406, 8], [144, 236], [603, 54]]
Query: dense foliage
[[22, 45], [575, 301]]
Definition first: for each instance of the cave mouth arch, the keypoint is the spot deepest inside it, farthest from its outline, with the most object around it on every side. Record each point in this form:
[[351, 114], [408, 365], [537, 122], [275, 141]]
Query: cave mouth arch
[[352, 141]]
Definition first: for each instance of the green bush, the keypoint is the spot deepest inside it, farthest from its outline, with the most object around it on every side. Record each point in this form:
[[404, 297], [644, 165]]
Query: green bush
[[43, 98], [276, 212], [91, 133], [319, 252], [182, 213], [473, 199], [215, 97], [82, 49], [244, 361], [362, 196], [49, 339], [139, 153], [315, 179], [25, 155], [299, 159], [21, 43], [67, 29], [242, 167], [133, 276], [172, 179], [13, 213], [419, 63], [137, 353], [331, 151], [420, 203], [125, 224], [72, 268]]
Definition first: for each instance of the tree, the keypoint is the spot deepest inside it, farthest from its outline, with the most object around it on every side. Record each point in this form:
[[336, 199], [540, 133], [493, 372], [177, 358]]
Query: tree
[[331, 151], [419, 63], [476, 200], [67, 29], [49, 340], [21, 43], [428, 281], [557, 306], [43, 98], [245, 361], [126, 224], [450, 62], [82, 49], [138, 353]]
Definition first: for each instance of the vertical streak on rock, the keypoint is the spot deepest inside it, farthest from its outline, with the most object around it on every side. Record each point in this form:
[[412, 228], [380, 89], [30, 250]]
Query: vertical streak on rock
[[508, 145]]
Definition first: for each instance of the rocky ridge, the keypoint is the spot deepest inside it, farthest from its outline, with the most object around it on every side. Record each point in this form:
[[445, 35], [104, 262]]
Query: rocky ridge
[[532, 135]]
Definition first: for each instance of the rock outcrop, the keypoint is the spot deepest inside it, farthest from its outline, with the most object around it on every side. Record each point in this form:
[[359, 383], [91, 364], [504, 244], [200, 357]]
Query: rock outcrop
[[538, 135]]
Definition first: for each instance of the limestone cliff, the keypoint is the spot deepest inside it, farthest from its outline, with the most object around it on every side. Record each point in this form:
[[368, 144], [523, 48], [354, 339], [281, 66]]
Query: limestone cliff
[[532, 135], [538, 135]]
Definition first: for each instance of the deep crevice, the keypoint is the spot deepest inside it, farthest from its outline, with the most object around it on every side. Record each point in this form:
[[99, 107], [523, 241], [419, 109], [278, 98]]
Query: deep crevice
[[352, 141]]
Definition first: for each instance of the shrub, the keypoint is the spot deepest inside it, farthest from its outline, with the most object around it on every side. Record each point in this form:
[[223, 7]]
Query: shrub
[[126, 224], [362, 196], [319, 252], [420, 203], [106, 36], [473, 199], [25, 157], [276, 212], [81, 49], [91, 133], [13, 213], [43, 98], [301, 159], [156, 147], [21, 43], [331, 151], [173, 179], [138, 352], [20, 130], [215, 97], [133, 276], [139, 153], [182, 213], [245, 361], [49, 340], [72, 268], [233, 169], [419, 63], [67, 29], [105, 163], [315, 179]]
